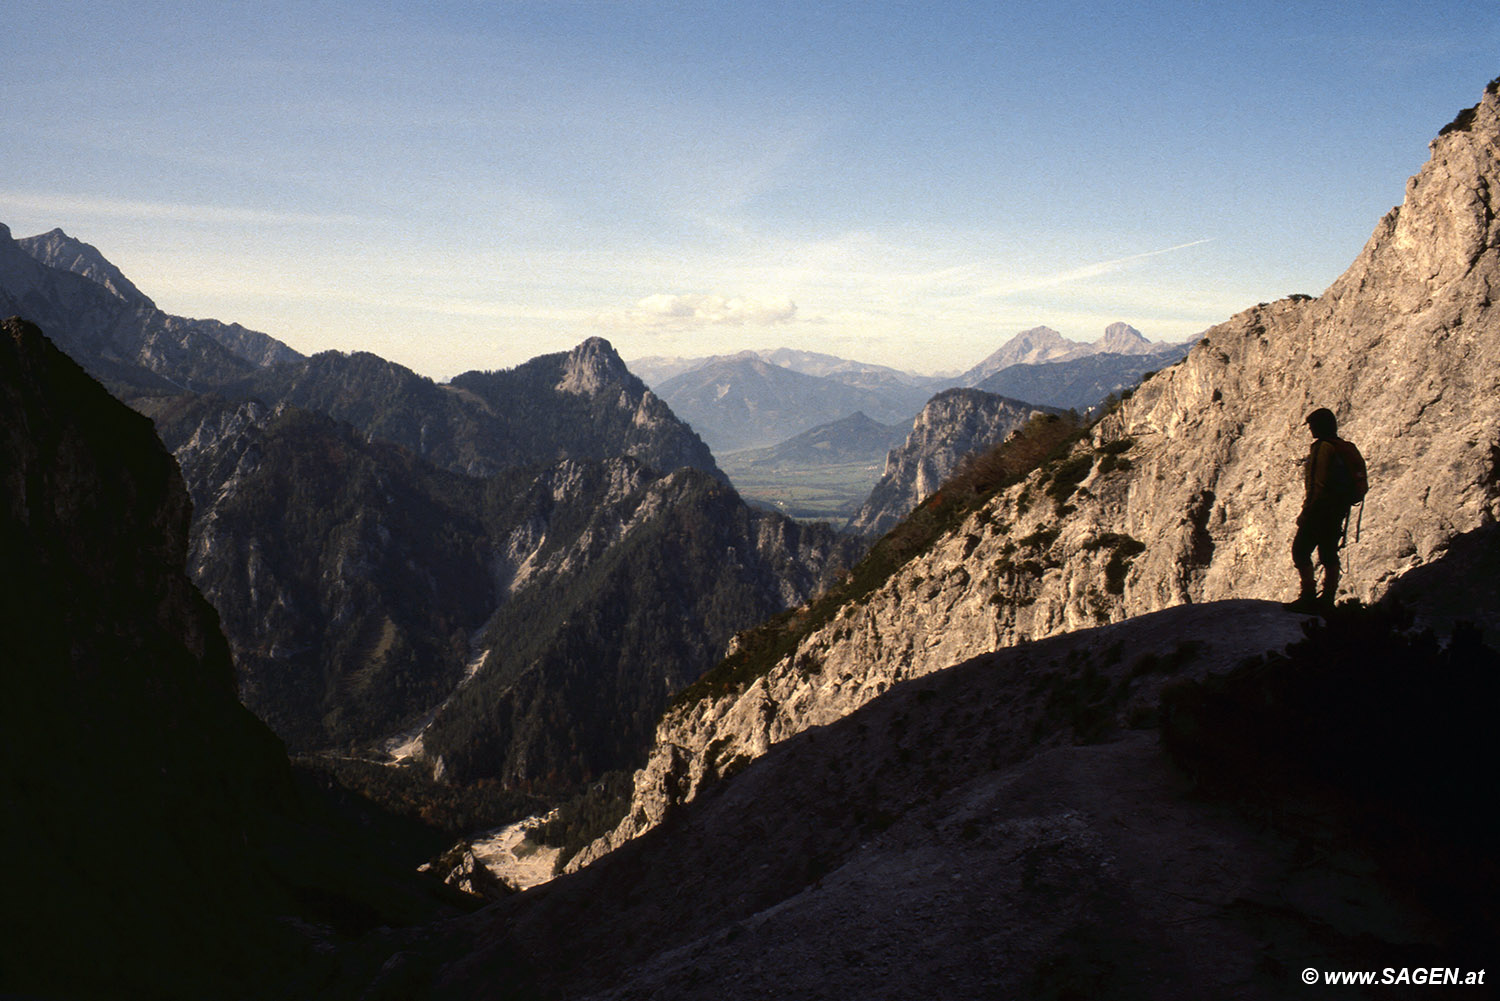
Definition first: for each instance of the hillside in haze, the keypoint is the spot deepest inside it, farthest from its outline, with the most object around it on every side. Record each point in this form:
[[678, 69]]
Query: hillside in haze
[[821, 474], [744, 401]]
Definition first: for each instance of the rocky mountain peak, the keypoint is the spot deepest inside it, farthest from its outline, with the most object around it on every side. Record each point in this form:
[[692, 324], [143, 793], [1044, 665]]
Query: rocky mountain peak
[[1034, 345], [57, 249], [954, 424], [1123, 339], [592, 366], [1029, 347], [1447, 220]]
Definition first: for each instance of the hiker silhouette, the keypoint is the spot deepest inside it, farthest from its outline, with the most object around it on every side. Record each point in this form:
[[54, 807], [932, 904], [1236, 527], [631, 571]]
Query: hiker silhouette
[[1334, 480]]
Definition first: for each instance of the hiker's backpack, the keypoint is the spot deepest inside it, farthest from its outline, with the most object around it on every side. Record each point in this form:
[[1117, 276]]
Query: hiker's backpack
[[1348, 479]]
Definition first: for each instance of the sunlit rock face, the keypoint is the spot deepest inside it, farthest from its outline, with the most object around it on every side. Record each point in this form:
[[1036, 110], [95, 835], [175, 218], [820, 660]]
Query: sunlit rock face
[[954, 424], [1190, 490]]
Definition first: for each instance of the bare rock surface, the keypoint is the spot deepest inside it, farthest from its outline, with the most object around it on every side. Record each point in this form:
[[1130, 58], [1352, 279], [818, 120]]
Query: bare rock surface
[[1405, 347], [954, 424]]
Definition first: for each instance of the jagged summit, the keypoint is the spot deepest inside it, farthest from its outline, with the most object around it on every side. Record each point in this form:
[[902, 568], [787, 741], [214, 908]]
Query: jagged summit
[[1039, 344], [59, 250], [592, 366]]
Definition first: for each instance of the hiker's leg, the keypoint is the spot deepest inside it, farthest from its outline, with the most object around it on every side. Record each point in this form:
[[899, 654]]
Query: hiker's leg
[[1303, 544], [1328, 555]]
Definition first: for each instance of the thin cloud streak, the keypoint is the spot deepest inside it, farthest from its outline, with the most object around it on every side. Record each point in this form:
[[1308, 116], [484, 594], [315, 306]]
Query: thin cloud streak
[[1082, 273], [84, 206]]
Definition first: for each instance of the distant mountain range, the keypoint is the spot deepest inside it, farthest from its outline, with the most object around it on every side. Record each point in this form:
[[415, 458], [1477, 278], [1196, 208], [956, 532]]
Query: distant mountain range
[[761, 411], [758, 399]]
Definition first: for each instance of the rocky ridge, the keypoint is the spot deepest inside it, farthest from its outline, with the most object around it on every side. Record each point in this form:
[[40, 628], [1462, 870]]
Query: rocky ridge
[[366, 592], [582, 404], [953, 425], [1189, 491], [57, 249], [98, 318]]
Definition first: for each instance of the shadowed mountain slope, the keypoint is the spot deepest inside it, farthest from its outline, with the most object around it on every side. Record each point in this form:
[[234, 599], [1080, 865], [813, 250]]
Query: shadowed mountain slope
[[1011, 828], [160, 845], [362, 587]]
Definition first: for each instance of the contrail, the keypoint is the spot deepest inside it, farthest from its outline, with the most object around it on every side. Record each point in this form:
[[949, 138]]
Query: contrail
[[1081, 273]]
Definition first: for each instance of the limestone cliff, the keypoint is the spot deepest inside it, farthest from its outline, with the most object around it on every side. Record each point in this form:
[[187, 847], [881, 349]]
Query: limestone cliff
[[952, 425], [1190, 490]]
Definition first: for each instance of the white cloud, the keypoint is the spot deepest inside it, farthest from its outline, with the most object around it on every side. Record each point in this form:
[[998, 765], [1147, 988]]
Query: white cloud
[[667, 311]]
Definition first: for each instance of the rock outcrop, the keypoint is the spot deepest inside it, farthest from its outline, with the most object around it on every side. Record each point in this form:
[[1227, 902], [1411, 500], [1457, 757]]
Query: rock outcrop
[[953, 425], [1189, 491]]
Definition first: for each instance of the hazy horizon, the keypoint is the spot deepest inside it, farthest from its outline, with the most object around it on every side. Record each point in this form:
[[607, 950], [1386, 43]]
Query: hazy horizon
[[469, 186]]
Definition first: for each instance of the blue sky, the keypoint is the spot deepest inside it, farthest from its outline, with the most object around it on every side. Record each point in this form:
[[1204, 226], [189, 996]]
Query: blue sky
[[468, 185]]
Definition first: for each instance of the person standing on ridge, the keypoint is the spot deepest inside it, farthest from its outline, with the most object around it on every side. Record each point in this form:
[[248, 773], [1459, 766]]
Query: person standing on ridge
[[1335, 480]]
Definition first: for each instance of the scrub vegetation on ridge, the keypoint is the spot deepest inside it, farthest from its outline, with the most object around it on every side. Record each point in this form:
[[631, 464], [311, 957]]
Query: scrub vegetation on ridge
[[1044, 443]]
